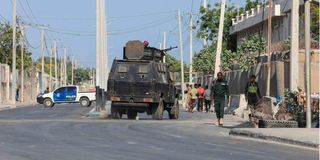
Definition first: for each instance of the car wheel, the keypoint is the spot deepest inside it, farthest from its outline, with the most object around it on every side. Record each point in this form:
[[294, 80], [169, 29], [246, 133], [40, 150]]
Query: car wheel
[[48, 102], [84, 102]]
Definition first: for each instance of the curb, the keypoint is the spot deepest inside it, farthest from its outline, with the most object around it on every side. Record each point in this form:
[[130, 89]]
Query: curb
[[19, 105], [242, 133]]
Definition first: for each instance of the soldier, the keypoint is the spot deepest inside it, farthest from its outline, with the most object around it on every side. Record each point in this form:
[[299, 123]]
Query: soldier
[[252, 91], [220, 91]]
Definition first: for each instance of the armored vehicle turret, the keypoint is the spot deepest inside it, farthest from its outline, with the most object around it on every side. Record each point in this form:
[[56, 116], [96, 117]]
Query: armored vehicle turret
[[141, 82]]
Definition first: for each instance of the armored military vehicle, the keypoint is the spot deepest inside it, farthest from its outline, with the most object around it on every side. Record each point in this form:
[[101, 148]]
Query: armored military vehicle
[[141, 82]]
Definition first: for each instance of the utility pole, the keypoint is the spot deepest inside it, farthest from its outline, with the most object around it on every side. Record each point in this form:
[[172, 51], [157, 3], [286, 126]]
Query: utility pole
[[22, 63], [164, 45], [205, 38], [307, 55], [14, 51], [55, 65], [269, 47], [42, 61], [98, 43], [61, 71], [220, 35], [50, 70], [294, 56], [65, 66], [191, 49], [72, 68], [181, 55]]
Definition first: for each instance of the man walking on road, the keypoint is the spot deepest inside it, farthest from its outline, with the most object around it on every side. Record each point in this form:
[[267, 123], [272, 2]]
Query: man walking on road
[[252, 91], [220, 91], [207, 97], [200, 91]]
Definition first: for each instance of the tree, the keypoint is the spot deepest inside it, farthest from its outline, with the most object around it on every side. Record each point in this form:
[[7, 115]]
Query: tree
[[251, 4], [81, 75], [209, 24], [175, 66], [204, 60], [6, 47]]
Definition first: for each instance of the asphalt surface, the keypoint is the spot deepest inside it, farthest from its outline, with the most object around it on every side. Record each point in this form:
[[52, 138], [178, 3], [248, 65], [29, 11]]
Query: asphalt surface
[[37, 133]]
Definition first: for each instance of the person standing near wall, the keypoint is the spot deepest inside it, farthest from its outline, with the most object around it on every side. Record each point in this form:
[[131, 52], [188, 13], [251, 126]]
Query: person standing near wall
[[220, 93], [252, 91]]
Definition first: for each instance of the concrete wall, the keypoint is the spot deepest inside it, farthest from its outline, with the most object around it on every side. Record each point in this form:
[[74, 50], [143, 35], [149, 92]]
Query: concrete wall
[[280, 76], [31, 84]]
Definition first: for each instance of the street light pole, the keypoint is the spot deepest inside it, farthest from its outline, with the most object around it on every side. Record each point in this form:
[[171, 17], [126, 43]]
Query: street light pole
[[164, 45], [191, 49], [42, 61], [269, 47], [50, 70], [14, 51], [307, 55], [22, 63], [65, 66], [181, 55], [55, 65], [220, 35]]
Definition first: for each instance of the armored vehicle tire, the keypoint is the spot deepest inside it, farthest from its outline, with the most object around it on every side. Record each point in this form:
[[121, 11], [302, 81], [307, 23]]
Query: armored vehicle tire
[[174, 111], [115, 112], [157, 110], [48, 102], [132, 114], [84, 102]]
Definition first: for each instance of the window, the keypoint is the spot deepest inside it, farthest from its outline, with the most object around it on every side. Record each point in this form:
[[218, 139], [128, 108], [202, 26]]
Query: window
[[122, 69], [62, 89], [72, 89], [143, 68]]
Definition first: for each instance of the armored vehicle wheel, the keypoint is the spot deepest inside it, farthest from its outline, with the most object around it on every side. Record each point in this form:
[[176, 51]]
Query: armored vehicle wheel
[[174, 111], [115, 112], [132, 114], [157, 110]]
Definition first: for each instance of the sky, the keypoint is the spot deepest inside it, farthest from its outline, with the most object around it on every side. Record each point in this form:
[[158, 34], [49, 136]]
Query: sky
[[72, 24]]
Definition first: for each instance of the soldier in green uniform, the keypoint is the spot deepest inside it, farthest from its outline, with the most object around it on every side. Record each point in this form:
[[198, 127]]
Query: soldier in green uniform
[[220, 91]]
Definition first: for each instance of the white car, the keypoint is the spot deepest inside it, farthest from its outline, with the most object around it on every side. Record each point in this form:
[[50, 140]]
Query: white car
[[66, 94]]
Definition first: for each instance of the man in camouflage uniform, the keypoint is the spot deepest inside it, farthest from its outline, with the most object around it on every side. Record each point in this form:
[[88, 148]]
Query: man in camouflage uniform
[[220, 92]]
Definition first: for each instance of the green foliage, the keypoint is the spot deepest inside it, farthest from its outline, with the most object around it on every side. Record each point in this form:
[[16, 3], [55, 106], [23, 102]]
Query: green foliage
[[204, 60], [6, 47], [81, 75], [315, 21], [228, 58], [209, 23], [247, 51], [291, 101], [251, 4], [175, 66]]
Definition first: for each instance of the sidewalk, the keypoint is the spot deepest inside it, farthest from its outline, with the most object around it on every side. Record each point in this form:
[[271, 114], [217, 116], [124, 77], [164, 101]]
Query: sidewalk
[[18, 105], [296, 136]]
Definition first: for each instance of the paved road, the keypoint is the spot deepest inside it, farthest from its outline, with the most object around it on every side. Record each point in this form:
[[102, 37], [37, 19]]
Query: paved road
[[49, 134]]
